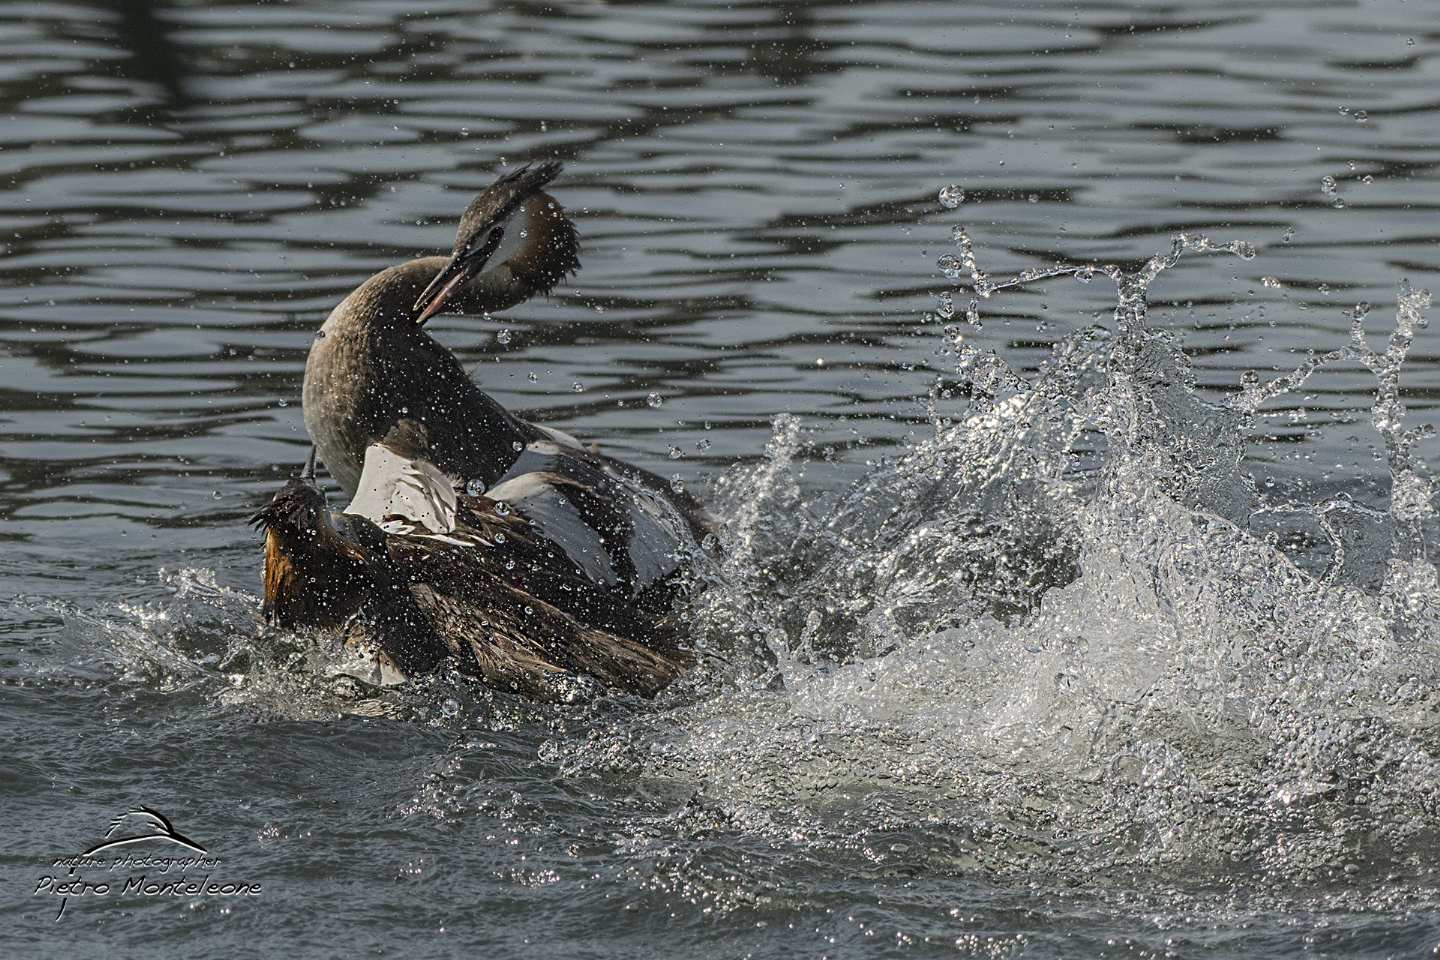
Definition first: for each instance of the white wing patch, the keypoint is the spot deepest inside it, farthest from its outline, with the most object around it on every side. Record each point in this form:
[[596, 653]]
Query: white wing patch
[[401, 495], [655, 529], [559, 436], [555, 518]]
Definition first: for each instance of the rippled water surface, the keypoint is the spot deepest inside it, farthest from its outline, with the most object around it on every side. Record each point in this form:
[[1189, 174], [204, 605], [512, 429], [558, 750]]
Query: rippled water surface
[[1068, 624]]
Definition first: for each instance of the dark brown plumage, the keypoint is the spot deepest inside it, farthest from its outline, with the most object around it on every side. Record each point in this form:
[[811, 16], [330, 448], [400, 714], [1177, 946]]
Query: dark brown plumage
[[501, 601]]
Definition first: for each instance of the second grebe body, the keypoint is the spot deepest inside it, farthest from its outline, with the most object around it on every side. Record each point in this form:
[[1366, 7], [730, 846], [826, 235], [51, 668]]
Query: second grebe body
[[419, 570]]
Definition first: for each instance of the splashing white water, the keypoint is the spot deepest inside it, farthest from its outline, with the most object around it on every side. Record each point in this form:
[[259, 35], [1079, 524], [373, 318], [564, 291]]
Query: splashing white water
[[1056, 633]]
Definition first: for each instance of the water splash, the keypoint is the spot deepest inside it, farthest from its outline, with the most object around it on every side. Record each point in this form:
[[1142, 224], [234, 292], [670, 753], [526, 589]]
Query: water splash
[[1056, 634]]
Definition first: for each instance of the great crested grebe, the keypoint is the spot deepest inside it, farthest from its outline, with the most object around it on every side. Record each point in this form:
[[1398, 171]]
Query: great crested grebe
[[470, 532], [418, 570]]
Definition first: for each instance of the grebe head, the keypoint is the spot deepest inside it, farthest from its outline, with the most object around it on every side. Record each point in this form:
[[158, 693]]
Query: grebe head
[[519, 226], [298, 509], [299, 506]]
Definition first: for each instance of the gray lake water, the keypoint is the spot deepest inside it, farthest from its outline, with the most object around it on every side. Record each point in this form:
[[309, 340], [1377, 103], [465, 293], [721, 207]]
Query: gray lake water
[[1222, 739]]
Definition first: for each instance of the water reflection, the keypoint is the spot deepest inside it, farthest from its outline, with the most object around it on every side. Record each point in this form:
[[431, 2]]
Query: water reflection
[[145, 29]]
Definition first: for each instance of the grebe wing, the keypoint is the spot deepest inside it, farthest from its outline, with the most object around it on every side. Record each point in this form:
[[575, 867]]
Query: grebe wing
[[559, 436], [620, 534], [401, 494]]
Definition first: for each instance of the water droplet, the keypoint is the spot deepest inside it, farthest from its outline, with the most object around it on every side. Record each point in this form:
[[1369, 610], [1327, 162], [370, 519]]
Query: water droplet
[[449, 707], [474, 487], [945, 305], [216, 495], [499, 538], [503, 337], [284, 403], [532, 376], [951, 196], [677, 484], [951, 266], [972, 313], [1271, 282], [502, 508], [576, 387], [517, 446], [675, 453], [653, 400], [1328, 186], [1361, 116], [702, 444]]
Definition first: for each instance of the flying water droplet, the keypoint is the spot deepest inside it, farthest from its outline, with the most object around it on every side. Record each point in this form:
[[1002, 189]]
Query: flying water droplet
[[653, 400], [945, 305], [972, 313], [502, 337], [951, 196]]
